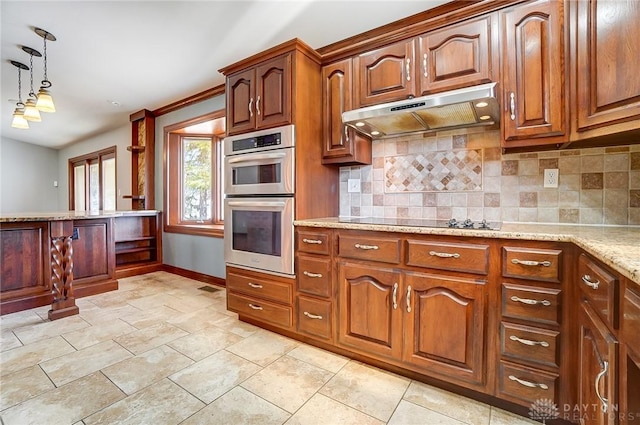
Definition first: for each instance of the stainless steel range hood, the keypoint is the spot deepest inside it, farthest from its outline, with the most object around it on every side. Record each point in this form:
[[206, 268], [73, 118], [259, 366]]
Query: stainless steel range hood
[[467, 107]]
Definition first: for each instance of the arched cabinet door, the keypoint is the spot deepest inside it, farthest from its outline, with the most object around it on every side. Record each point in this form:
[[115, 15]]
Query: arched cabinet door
[[369, 314], [444, 325], [273, 92]]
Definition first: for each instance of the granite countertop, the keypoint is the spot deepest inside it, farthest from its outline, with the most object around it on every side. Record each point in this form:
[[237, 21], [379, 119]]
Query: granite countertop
[[616, 246], [69, 215]]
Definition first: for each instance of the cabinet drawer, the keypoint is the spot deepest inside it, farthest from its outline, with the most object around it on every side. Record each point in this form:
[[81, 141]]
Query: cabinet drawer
[[314, 317], [314, 276], [386, 250], [529, 344], [263, 311], [313, 242], [524, 385], [260, 287], [531, 303], [600, 287], [449, 256], [532, 264]]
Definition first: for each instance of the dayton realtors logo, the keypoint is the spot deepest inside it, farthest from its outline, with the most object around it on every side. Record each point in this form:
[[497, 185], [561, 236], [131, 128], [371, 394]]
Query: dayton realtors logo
[[543, 409]]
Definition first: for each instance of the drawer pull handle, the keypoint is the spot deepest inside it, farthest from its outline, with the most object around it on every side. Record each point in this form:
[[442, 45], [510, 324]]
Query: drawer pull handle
[[309, 274], [251, 107], [591, 284], [530, 301], [366, 247], [424, 65], [255, 285], [528, 341], [408, 68], [512, 106], [255, 307], [409, 299], [395, 295], [312, 241], [444, 254], [528, 383], [531, 263], [312, 316], [258, 105], [604, 371]]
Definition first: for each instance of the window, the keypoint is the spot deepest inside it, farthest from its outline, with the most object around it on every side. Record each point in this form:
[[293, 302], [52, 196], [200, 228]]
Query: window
[[193, 178], [92, 181]]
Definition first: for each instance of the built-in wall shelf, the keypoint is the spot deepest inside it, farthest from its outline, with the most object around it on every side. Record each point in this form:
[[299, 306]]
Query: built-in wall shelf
[[138, 240], [135, 148]]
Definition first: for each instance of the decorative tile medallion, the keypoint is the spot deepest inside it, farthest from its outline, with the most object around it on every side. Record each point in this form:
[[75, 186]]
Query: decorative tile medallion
[[457, 170]]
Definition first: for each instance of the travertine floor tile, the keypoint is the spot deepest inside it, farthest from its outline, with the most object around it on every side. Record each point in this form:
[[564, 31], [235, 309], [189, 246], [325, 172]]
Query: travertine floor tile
[[239, 406], [163, 403], [65, 405], [19, 319], [137, 372], [458, 407], [75, 365], [8, 340], [100, 332], [288, 383], [23, 385], [230, 323], [108, 314], [412, 414], [263, 347], [40, 331], [501, 417], [32, 354], [145, 339], [196, 319], [367, 389], [147, 318], [201, 344], [321, 410], [208, 379], [317, 357]]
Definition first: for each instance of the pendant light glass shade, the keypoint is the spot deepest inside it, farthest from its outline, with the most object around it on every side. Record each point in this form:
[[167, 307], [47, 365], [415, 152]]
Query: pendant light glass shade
[[45, 101], [31, 113], [18, 119]]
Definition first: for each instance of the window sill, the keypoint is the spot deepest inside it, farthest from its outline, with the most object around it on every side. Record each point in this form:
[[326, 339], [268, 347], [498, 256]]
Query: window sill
[[211, 230]]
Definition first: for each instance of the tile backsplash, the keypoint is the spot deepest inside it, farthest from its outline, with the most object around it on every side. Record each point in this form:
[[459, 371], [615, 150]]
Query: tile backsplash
[[463, 174]]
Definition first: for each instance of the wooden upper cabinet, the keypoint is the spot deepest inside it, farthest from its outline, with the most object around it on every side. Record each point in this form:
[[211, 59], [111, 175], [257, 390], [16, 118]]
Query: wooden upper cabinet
[[606, 39], [259, 97], [385, 74], [533, 83], [341, 144], [456, 56]]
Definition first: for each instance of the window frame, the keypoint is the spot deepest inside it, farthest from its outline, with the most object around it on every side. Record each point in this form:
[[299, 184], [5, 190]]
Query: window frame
[[172, 176], [86, 160]]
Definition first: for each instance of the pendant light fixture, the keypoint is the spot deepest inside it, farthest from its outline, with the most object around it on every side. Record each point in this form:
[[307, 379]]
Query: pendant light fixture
[[31, 112], [45, 101], [18, 115]]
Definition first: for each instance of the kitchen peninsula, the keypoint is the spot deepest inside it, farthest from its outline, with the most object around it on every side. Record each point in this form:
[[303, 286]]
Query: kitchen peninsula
[[43, 253]]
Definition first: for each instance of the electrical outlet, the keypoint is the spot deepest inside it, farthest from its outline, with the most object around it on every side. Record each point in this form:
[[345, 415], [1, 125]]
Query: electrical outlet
[[551, 177], [353, 186]]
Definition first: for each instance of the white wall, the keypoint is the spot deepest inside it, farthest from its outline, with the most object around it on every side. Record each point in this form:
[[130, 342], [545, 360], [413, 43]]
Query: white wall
[[201, 254], [27, 174], [120, 137]]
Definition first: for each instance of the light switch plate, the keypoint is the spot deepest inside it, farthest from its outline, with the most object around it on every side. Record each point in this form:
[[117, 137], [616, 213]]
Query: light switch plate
[[353, 186], [551, 177]]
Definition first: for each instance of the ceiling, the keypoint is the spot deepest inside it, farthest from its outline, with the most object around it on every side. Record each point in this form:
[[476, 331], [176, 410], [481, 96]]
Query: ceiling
[[113, 58]]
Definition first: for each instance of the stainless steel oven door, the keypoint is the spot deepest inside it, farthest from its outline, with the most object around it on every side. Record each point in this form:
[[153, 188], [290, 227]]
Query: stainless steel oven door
[[260, 173], [258, 233]]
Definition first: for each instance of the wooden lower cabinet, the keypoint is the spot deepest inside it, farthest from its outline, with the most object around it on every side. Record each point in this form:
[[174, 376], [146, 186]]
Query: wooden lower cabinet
[[369, 315], [444, 325]]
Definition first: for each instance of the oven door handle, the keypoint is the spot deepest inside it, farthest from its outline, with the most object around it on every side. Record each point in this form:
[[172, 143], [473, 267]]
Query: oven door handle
[[266, 205], [256, 157]]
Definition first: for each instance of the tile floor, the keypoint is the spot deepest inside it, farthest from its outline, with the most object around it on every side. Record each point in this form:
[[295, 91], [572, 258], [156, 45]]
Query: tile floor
[[161, 351]]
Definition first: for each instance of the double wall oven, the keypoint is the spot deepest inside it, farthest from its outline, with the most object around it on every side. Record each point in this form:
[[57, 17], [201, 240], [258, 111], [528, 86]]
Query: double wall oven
[[259, 204]]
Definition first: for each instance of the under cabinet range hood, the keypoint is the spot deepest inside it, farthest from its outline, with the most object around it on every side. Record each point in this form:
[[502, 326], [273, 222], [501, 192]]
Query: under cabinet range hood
[[466, 107]]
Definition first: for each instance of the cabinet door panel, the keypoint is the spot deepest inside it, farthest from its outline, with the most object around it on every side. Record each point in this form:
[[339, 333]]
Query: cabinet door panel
[[240, 102], [92, 250], [273, 92], [533, 73], [456, 56], [607, 39], [368, 319], [454, 349], [337, 82], [385, 74]]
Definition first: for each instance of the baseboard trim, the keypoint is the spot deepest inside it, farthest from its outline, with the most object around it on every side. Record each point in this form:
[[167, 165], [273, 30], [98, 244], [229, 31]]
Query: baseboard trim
[[212, 280]]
